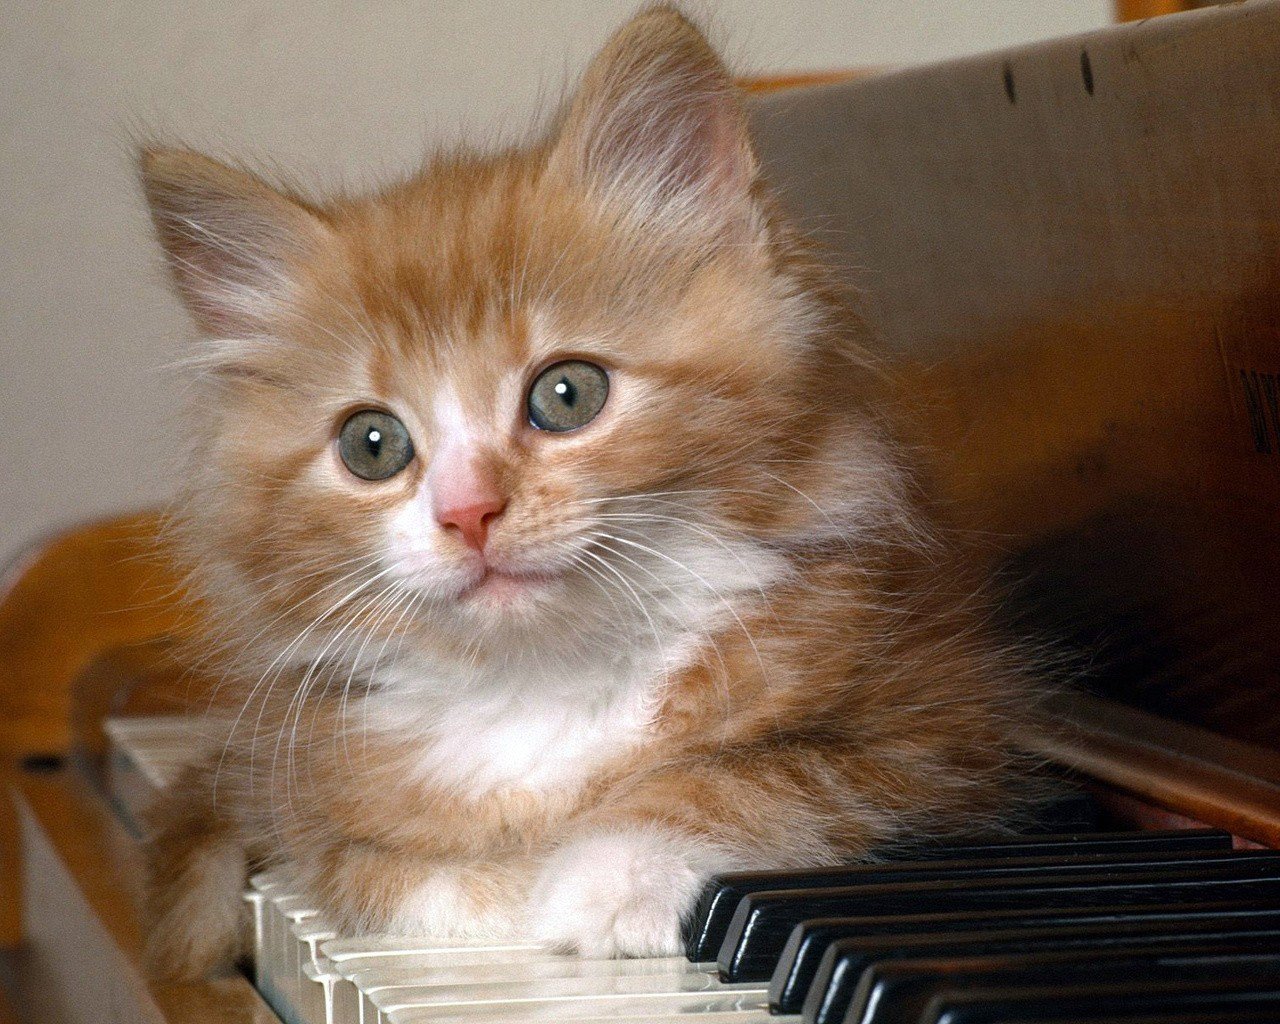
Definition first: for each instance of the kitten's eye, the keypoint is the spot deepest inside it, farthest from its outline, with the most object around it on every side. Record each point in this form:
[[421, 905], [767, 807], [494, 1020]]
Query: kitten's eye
[[374, 445], [567, 395]]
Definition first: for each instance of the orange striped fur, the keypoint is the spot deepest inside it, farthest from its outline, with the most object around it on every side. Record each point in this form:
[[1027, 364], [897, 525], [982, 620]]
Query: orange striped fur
[[722, 630]]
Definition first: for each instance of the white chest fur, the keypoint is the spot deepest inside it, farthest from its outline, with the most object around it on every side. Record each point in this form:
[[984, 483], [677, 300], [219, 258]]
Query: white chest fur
[[521, 733], [544, 721]]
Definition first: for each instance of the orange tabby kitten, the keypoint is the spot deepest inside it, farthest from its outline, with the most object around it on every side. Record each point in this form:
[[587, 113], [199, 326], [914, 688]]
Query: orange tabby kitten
[[547, 517]]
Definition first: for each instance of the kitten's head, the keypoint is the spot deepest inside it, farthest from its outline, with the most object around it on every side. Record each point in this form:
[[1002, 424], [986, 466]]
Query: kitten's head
[[571, 395]]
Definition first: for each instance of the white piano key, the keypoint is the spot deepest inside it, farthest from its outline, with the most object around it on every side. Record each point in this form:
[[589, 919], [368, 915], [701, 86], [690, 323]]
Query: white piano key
[[534, 964], [284, 952], [427, 1016], [311, 932], [323, 1012], [256, 910], [260, 885], [271, 879], [348, 956], [559, 974], [446, 958], [579, 987], [313, 981], [266, 967], [619, 1006], [347, 950], [347, 1002]]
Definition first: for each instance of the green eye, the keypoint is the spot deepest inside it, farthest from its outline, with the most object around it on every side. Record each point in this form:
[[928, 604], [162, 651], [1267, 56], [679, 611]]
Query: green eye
[[567, 395], [374, 445]]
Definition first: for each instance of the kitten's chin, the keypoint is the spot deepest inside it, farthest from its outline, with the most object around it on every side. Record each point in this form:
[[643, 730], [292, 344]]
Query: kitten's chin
[[501, 589]]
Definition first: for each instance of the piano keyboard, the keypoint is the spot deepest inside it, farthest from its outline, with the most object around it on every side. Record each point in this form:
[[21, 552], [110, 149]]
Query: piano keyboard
[[1159, 926]]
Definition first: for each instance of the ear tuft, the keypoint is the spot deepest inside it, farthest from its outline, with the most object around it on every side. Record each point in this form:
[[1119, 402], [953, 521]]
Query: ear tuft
[[233, 242], [658, 123]]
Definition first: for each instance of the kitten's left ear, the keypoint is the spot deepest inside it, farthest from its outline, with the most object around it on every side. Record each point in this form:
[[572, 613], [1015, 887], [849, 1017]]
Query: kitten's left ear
[[657, 124]]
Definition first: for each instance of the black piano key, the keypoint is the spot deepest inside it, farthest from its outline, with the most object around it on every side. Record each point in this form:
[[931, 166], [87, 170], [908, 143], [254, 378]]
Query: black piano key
[[1224, 1009], [705, 929], [1220, 1002], [845, 961], [901, 991], [763, 921], [799, 962], [709, 928]]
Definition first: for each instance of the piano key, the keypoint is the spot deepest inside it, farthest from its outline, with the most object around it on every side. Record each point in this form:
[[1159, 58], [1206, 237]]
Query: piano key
[[1212, 1003], [423, 1015], [318, 1009], [1225, 1010], [277, 963], [388, 976], [310, 985], [569, 990], [349, 958], [348, 951], [261, 886], [620, 1006], [285, 960], [399, 982], [796, 968], [705, 930], [899, 992], [715, 925], [846, 961], [363, 966], [1220, 1010], [310, 933], [314, 976], [763, 921]]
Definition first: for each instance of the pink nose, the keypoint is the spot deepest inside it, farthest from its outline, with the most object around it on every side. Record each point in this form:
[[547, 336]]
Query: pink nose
[[472, 520]]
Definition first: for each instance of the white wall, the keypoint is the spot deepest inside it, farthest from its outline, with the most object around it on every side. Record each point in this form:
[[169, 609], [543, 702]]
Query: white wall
[[336, 89]]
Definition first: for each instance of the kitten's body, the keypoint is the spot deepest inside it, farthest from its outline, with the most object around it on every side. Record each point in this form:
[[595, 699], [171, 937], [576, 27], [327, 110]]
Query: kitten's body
[[709, 629]]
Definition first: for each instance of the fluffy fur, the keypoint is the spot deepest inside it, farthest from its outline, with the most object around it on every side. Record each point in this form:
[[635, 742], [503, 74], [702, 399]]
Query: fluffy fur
[[713, 628]]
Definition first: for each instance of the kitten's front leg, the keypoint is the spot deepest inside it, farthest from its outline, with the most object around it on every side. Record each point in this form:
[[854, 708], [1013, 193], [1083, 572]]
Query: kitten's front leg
[[621, 891], [633, 868]]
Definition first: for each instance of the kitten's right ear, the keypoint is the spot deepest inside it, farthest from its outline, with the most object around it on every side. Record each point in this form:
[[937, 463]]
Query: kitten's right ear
[[233, 242]]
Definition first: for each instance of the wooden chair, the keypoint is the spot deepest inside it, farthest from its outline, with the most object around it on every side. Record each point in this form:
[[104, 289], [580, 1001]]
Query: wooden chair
[[88, 620]]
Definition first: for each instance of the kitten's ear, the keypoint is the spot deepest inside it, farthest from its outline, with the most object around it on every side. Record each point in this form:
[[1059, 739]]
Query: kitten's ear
[[658, 124], [233, 242]]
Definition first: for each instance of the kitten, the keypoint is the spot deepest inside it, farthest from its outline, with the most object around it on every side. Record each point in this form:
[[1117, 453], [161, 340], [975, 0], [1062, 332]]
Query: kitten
[[557, 544]]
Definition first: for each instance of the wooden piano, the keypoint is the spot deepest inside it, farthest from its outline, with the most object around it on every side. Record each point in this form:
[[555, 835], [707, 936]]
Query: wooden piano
[[1071, 253]]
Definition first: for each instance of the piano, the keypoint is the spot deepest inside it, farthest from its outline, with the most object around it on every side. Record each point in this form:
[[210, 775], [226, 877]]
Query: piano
[[1071, 254]]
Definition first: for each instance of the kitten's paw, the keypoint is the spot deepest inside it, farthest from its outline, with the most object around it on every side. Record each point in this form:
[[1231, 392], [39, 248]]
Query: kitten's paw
[[620, 893]]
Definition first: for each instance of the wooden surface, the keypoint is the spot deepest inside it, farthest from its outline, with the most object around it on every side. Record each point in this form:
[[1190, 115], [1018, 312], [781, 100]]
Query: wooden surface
[[103, 862], [1195, 774], [775, 83], [1070, 256], [65, 602], [8, 1015], [84, 613], [1134, 10]]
